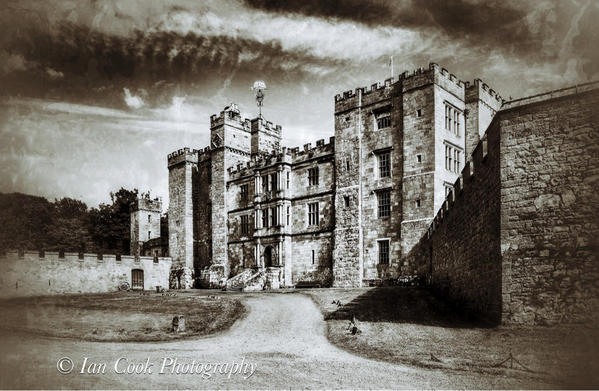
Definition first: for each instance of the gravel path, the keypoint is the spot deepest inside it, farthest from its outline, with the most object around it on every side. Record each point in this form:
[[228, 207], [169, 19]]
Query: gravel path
[[283, 336]]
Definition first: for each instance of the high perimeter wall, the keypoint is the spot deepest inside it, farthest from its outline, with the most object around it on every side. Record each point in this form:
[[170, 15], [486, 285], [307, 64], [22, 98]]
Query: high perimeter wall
[[550, 207], [460, 254], [519, 244], [35, 274]]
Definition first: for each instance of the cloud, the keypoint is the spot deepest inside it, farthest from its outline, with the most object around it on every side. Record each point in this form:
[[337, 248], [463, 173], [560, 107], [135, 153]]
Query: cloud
[[506, 25], [54, 74], [134, 102], [11, 62]]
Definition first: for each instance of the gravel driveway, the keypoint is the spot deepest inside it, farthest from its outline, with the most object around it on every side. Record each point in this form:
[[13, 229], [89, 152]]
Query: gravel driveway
[[283, 337]]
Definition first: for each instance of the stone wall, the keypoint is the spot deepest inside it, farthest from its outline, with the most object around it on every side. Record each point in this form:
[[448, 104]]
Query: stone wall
[[519, 242], [35, 274], [460, 254], [550, 207], [311, 254]]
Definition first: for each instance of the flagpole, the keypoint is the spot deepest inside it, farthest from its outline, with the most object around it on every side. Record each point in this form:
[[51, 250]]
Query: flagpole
[[391, 65]]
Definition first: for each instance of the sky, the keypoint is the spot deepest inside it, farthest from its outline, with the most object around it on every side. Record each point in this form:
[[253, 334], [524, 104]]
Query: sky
[[95, 94]]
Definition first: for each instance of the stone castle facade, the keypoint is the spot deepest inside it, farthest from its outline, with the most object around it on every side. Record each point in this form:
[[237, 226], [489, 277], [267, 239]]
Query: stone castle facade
[[346, 211]]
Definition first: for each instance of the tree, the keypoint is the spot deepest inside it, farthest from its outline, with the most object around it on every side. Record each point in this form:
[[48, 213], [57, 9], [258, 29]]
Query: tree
[[70, 224], [110, 224]]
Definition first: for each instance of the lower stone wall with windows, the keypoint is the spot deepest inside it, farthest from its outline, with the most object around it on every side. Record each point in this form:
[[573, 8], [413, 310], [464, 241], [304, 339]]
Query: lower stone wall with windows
[[32, 273]]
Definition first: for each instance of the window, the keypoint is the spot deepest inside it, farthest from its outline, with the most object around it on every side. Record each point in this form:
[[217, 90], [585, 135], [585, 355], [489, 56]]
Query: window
[[264, 183], [288, 179], [452, 119], [456, 161], [288, 215], [419, 113], [384, 198], [383, 251], [274, 217], [274, 185], [149, 218], [265, 218], [245, 224], [383, 120], [453, 158], [313, 176], [313, 214], [418, 203], [419, 158], [347, 164], [244, 193], [449, 189], [456, 122], [149, 234], [313, 257], [384, 165], [346, 199]]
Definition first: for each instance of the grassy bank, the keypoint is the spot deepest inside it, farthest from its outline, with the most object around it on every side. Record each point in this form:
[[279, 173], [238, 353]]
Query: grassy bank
[[121, 316], [409, 326]]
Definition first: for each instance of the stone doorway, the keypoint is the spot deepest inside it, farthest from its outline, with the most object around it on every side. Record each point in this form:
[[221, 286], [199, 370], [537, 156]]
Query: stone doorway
[[137, 279], [268, 256]]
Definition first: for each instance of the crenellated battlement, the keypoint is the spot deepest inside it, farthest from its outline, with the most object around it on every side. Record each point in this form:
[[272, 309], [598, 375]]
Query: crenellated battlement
[[230, 114], [480, 90], [147, 203], [287, 155], [57, 256], [480, 156], [185, 155], [259, 123], [406, 80], [309, 151]]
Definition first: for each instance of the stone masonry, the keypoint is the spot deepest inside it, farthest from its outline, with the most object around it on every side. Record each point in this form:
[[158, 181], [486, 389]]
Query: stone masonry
[[517, 240], [371, 204]]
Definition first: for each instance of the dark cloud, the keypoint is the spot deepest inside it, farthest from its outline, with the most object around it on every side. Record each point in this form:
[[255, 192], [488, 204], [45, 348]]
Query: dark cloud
[[76, 61], [488, 23]]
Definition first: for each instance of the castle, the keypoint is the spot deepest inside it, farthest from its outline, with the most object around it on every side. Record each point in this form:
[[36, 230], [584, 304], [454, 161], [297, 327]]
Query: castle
[[493, 203], [348, 210]]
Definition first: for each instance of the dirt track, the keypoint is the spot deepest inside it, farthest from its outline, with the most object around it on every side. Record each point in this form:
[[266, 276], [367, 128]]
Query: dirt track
[[284, 336]]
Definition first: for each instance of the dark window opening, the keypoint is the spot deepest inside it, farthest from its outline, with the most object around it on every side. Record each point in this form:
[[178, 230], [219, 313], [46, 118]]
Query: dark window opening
[[313, 176], [384, 199], [383, 252], [313, 214]]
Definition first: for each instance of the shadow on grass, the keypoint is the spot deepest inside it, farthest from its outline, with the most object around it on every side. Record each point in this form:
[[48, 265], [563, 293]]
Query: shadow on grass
[[404, 305]]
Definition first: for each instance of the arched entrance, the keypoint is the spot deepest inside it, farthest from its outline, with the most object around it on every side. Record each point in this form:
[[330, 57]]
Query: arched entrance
[[268, 256]]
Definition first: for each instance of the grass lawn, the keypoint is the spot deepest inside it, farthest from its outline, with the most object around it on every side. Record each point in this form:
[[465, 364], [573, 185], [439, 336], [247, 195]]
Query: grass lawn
[[410, 326], [121, 316]]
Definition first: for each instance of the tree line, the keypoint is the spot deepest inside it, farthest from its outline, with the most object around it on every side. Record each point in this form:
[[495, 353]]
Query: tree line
[[33, 223]]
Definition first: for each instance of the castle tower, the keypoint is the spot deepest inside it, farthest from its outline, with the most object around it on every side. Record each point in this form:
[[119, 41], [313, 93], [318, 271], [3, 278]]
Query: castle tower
[[230, 137], [482, 103], [368, 156], [145, 222], [400, 147], [181, 165], [266, 137]]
